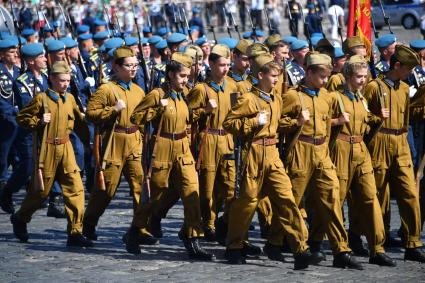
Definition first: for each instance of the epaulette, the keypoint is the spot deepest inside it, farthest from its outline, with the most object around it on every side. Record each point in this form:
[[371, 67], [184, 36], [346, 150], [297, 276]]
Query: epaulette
[[23, 78], [160, 67], [44, 71], [288, 67], [379, 66]]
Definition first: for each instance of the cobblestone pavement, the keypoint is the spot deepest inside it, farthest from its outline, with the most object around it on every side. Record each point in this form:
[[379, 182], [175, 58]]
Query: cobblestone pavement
[[45, 258]]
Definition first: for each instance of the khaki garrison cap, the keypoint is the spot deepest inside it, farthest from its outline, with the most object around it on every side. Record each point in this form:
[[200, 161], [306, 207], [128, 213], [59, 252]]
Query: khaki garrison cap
[[193, 51], [315, 58], [272, 39], [123, 52], [182, 58], [406, 56], [356, 59], [260, 61], [256, 49], [221, 50], [243, 45], [60, 67], [351, 42]]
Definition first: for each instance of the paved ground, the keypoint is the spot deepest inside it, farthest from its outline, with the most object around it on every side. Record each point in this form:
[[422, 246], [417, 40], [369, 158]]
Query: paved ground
[[45, 258]]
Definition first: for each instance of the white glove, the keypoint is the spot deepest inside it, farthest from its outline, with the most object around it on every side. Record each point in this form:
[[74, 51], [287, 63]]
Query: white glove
[[91, 81], [46, 118], [263, 118], [412, 91], [120, 105], [164, 102]]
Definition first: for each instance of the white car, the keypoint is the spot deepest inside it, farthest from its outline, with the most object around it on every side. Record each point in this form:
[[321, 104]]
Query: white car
[[407, 13]]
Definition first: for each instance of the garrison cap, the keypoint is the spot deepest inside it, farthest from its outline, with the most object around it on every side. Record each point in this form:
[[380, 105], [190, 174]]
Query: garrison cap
[[161, 44], [406, 56], [356, 59], [114, 42], [84, 36], [176, 37], [55, 45], [130, 41], [60, 67], [201, 41], [299, 44], [256, 49], [221, 50], [260, 61], [351, 42], [28, 32], [69, 42], [104, 34], [82, 29], [272, 39], [154, 39], [325, 44], [315, 58], [98, 23], [243, 45], [193, 51], [385, 40], [163, 31], [417, 44], [229, 42], [123, 52], [182, 58], [289, 39], [338, 53], [32, 50]]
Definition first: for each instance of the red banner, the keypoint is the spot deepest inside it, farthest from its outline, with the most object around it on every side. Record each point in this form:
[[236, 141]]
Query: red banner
[[359, 21]]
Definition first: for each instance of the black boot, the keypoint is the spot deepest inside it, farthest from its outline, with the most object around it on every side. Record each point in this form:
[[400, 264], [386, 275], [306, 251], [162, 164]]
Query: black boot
[[6, 202], [221, 231], [382, 259], [273, 252], [155, 227], [250, 249], [304, 259], [346, 259], [132, 241], [414, 254], [209, 235], [148, 240], [391, 242], [19, 228], [55, 208], [316, 250], [78, 240], [234, 256], [89, 231], [196, 251], [356, 244]]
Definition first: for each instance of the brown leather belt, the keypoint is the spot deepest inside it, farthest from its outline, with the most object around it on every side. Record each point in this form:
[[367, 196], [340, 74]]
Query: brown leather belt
[[174, 136], [395, 132], [312, 140], [218, 132], [129, 130], [350, 139], [265, 141], [57, 141]]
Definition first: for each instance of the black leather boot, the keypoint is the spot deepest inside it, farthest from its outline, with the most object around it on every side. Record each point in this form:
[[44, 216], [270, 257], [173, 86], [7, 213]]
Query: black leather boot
[[209, 235], [234, 256], [316, 250], [304, 259], [414, 254], [132, 241], [19, 228], [196, 251], [89, 231], [155, 227], [356, 244], [221, 231], [346, 259], [273, 252], [55, 208], [6, 202], [382, 259], [78, 240], [250, 249]]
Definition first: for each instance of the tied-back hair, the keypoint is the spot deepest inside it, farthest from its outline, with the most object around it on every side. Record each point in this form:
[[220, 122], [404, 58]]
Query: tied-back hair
[[267, 68], [350, 69]]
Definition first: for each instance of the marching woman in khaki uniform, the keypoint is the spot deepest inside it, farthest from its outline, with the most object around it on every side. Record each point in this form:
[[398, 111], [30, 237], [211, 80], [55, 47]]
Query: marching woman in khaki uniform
[[389, 149], [172, 164], [353, 162], [52, 115], [110, 108], [307, 112]]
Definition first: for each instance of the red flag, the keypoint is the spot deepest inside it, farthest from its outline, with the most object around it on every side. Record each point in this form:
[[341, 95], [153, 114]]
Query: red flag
[[359, 21]]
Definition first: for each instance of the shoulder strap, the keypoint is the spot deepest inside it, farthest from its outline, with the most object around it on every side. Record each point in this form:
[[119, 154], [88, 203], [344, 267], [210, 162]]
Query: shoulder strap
[[340, 102], [382, 94]]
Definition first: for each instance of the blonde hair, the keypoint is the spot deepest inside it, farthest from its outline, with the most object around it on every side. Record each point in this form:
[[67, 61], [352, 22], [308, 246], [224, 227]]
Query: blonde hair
[[350, 68]]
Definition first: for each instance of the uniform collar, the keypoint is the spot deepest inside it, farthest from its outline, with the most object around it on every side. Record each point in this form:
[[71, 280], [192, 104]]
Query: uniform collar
[[217, 87], [311, 92], [175, 95], [391, 83], [267, 97], [124, 85], [350, 94], [55, 96], [237, 77]]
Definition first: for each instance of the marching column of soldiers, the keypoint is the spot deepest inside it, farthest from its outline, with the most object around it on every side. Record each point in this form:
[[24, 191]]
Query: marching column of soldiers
[[287, 128]]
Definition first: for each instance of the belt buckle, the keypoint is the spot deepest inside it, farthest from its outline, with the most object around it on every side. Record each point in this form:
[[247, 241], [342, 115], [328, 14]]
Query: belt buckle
[[397, 132], [173, 136], [56, 141], [315, 141], [352, 140]]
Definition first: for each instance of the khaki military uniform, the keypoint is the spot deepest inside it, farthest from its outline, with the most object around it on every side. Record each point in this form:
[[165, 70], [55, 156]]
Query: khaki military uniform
[[391, 159], [264, 174], [309, 163], [125, 155], [59, 158], [173, 166], [334, 81]]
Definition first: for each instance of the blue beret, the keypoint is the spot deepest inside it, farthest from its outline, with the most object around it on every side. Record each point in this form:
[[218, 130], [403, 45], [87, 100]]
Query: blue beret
[[201, 41], [310, 6], [111, 52], [145, 41], [32, 49], [69, 42], [82, 29], [161, 45], [247, 35], [196, 10], [101, 35], [102, 48], [46, 28], [299, 44], [85, 36], [8, 43], [23, 40], [289, 39], [154, 39], [182, 48], [130, 41], [317, 34], [99, 23], [147, 29], [385, 40], [28, 32], [163, 31], [55, 24], [258, 33], [417, 44], [229, 42], [113, 43], [338, 53], [176, 37], [315, 39], [55, 45], [192, 28], [4, 34]]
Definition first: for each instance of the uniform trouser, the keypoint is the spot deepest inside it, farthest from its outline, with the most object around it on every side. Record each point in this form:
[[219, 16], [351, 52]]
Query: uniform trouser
[[356, 179], [266, 176], [179, 175], [9, 130], [309, 166], [393, 166], [73, 194], [265, 213]]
